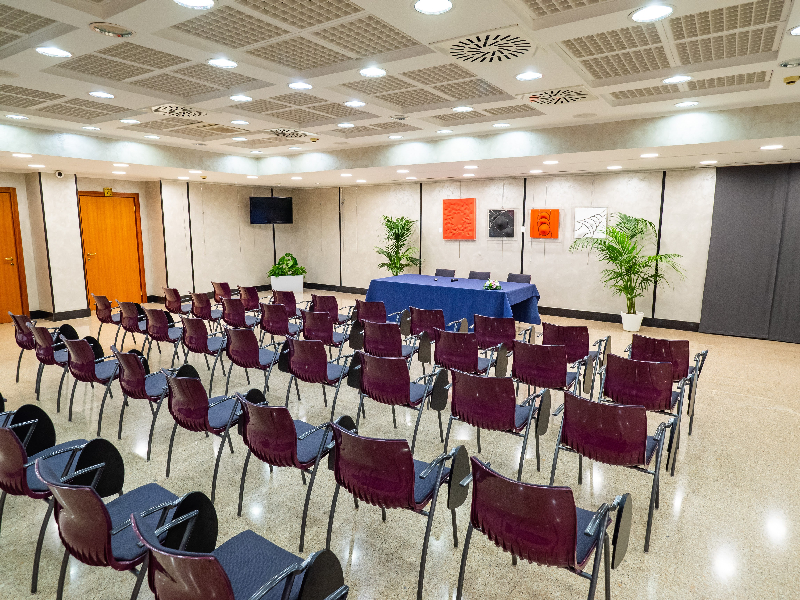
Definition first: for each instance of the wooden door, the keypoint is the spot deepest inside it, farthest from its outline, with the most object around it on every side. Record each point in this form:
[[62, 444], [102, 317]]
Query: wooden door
[[111, 234], [13, 289]]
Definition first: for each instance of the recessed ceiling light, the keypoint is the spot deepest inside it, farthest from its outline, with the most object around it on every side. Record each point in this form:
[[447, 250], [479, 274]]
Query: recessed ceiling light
[[347, 174], [121, 165], [537, 171], [196, 172], [795, 30], [223, 63], [772, 147], [355, 103], [345, 125], [294, 148], [252, 176], [17, 117], [36, 166], [469, 174], [110, 29], [402, 170], [241, 98], [529, 76], [648, 155], [676, 79], [183, 178], [445, 131], [470, 167], [372, 72], [296, 177], [118, 172], [410, 177], [239, 139], [198, 4], [256, 152], [463, 109], [91, 128], [361, 181], [649, 14], [129, 121], [550, 162], [686, 104], [300, 85], [105, 95], [433, 7], [708, 162], [240, 122], [22, 155], [395, 137], [614, 167], [153, 137], [54, 52], [501, 125]]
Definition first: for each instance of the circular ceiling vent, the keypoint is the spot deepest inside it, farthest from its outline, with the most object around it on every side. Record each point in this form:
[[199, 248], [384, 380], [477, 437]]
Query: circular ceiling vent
[[490, 48], [110, 29], [288, 133], [176, 110], [560, 96]]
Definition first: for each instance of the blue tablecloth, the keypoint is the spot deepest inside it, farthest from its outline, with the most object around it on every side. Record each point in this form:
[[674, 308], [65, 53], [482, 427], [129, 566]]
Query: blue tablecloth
[[458, 299]]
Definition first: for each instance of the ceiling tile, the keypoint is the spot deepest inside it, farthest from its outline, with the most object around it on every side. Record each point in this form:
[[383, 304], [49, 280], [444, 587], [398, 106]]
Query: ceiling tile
[[729, 45], [214, 76], [440, 74], [645, 92], [380, 85], [299, 53], [230, 27], [730, 80], [104, 68], [297, 115], [142, 55], [455, 117], [177, 86], [29, 93], [302, 13], [260, 106], [473, 88], [335, 109], [412, 97], [543, 8], [7, 37], [299, 99], [627, 38], [730, 18], [22, 21], [516, 110], [627, 63], [367, 36]]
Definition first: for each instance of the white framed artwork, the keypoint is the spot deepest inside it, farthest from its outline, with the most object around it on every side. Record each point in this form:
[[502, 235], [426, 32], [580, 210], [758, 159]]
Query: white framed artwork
[[590, 222]]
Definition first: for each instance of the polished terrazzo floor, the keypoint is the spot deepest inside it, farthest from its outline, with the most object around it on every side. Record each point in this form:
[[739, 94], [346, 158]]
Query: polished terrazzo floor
[[727, 527]]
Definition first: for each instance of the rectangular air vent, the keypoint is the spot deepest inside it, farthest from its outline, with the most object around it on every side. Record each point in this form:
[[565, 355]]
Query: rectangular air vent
[[470, 89], [142, 55], [381, 85], [299, 53], [440, 74], [260, 106], [544, 8], [514, 111], [176, 86], [214, 76], [299, 99], [230, 27], [21, 21], [697, 87], [104, 68], [367, 36], [412, 97], [728, 19], [303, 13]]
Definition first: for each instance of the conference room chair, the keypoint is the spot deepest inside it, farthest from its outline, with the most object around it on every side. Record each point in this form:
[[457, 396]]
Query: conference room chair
[[613, 434], [543, 367], [174, 302], [85, 366], [542, 525], [133, 321], [243, 351], [196, 340], [222, 291], [320, 326], [187, 564], [250, 298], [579, 354], [193, 410], [694, 377], [330, 305], [385, 473], [387, 381], [518, 278], [494, 331], [370, 311], [50, 351], [491, 403], [425, 324], [480, 275], [105, 314], [275, 321], [289, 301], [138, 383], [270, 433], [375, 312], [161, 328], [458, 351], [307, 361], [22, 336], [97, 533], [385, 339], [201, 309], [26, 435], [445, 273], [234, 314]]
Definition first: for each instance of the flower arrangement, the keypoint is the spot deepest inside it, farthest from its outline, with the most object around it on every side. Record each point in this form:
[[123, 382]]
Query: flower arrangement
[[492, 284]]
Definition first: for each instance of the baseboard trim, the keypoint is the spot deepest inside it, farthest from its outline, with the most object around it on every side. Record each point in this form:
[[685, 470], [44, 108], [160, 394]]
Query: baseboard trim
[[616, 318], [41, 314], [336, 288], [71, 314], [155, 299]]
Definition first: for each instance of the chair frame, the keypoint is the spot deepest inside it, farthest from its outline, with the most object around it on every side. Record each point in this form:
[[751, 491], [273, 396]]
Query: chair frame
[[92, 381], [267, 371], [21, 335]]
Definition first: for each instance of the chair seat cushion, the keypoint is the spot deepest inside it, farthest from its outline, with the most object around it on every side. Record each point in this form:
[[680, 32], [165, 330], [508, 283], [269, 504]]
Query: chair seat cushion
[[60, 356], [175, 333], [216, 314], [521, 415], [571, 377], [484, 364], [250, 321], [218, 415], [155, 384], [294, 329], [186, 308], [57, 463], [307, 448], [105, 370], [339, 338], [585, 544], [408, 351], [250, 561], [215, 343], [116, 318], [124, 545], [417, 393], [336, 372], [423, 488], [592, 354], [266, 357]]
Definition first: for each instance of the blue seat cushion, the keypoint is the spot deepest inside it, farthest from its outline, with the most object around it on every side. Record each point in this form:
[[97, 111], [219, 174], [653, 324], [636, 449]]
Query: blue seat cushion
[[675, 397], [175, 333], [571, 377], [216, 314], [339, 338], [57, 463], [267, 357], [124, 545], [60, 356], [336, 371], [521, 415], [250, 320], [116, 318], [294, 329], [105, 370], [307, 448], [423, 488], [186, 308], [585, 543], [155, 384], [218, 415], [408, 351], [484, 364], [417, 392], [215, 343]]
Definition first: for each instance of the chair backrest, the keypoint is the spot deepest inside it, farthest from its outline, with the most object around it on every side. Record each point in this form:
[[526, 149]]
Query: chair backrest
[[195, 334], [102, 308], [308, 360], [574, 337], [274, 319], [675, 352], [269, 432], [14, 450], [326, 304], [222, 290], [22, 334], [233, 312], [130, 316], [131, 373], [456, 350], [158, 325], [44, 344], [518, 278], [544, 531], [445, 273], [380, 472], [639, 382], [541, 366], [172, 300], [480, 275], [615, 434], [426, 320], [492, 331], [385, 379], [242, 347], [201, 306], [487, 402], [370, 311], [287, 299], [80, 358], [383, 339], [317, 326], [188, 403], [249, 296]]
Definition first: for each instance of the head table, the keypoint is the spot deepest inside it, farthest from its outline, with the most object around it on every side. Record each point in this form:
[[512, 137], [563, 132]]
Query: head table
[[459, 299]]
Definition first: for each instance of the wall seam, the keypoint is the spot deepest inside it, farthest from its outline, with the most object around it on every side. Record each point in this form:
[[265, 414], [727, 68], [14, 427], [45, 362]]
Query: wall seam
[[524, 211], [47, 245], [658, 240], [83, 249], [419, 226], [340, 236], [191, 242], [163, 230]]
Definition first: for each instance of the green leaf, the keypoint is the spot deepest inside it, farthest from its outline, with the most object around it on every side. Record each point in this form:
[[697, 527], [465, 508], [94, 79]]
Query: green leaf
[[286, 265], [399, 256]]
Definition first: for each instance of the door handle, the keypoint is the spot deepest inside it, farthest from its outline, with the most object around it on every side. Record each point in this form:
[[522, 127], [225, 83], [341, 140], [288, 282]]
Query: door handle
[[11, 260]]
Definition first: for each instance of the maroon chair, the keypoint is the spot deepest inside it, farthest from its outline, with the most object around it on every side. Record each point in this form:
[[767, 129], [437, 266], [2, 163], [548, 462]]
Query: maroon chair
[[575, 338], [133, 321], [193, 410], [235, 315], [429, 321], [385, 339], [22, 335], [243, 350], [201, 309], [26, 435], [161, 328], [250, 299], [375, 312], [275, 321], [491, 403], [370, 311], [105, 314], [613, 434], [289, 301], [270, 433], [137, 383], [86, 367], [96, 533], [384, 473], [306, 360], [222, 291], [542, 367], [459, 351], [541, 524], [173, 302], [196, 340], [675, 352], [49, 353], [493, 331], [694, 376], [329, 305], [321, 327]]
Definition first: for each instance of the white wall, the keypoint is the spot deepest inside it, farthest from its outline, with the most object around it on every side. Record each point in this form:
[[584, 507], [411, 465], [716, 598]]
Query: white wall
[[176, 234]]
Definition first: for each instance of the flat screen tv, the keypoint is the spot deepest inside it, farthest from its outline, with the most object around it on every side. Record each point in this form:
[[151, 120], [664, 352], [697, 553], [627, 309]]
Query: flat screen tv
[[270, 210]]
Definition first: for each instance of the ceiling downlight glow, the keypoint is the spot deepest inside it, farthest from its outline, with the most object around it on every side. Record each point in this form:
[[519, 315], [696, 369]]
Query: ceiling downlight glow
[[361, 181], [300, 85], [240, 122], [402, 170], [433, 7], [252, 176], [17, 117], [195, 172], [239, 139], [91, 128], [36, 166], [121, 165], [708, 162], [256, 152], [345, 125], [196, 4], [372, 72], [463, 109], [795, 30], [529, 76], [652, 13], [104, 95], [223, 63], [772, 147], [241, 98], [676, 79], [686, 104], [129, 121], [550, 162], [355, 103], [19, 155], [153, 137], [614, 167], [537, 171], [296, 177], [118, 172], [347, 174], [652, 155], [183, 178], [54, 52], [395, 137], [501, 125]]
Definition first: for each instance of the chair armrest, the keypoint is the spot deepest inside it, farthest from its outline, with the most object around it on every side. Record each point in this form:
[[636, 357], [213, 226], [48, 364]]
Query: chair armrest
[[558, 411], [526, 334], [533, 397], [103, 358], [340, 593], [54, 453], [311, 431], [287, 572], [453, 323], [433, 373], [444, 457], [98, 467], [336, 360], [394, 314]]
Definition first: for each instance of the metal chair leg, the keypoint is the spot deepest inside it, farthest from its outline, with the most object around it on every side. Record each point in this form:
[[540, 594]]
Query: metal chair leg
[[241, 483], [216, 467], [228, 380], [71, 398], [358, 412], [330, 517], [455, 528], [124, 335], [447, 437], [102, 404], [2, 505], [653, 496], [335, 396], [479, 440], [19, 362], [60, 384], [153, 426], [116, 337], [394, 417], [441, 432], [289, 389], [580, 469], [38, 556], [595, 569], [416, 428], [122, 415], [39, 380], [463, 562], [140, 576], [428, 535], [100, 330], [308, 498], [325, 398], [62, 576], [607, 564], [171, 441]]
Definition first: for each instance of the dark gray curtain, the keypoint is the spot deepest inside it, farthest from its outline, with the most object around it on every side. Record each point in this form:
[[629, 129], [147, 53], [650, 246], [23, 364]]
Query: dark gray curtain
[[785, 319]]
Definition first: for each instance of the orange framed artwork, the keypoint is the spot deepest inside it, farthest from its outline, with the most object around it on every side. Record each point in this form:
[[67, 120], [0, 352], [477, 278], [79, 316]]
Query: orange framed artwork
[[544, 223], [458, 218]]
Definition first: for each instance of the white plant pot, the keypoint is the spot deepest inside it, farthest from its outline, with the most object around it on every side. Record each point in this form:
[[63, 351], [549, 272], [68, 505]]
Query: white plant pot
[[632, 322], [289, 283]]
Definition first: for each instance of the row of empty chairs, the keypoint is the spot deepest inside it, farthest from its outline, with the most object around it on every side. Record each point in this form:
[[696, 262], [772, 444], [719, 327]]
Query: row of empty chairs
[[486, 275]]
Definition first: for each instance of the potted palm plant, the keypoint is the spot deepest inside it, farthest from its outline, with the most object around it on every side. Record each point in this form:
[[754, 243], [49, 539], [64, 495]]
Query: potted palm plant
[[398, 254], [286, 275], [631, 270]]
